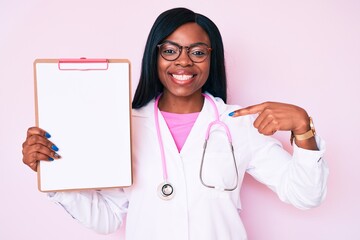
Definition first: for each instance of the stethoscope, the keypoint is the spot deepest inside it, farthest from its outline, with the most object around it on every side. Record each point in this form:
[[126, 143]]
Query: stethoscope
[[166, 189]]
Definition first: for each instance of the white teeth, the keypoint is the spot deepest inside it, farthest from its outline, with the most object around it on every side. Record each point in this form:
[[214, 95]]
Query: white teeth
[[182, 77]]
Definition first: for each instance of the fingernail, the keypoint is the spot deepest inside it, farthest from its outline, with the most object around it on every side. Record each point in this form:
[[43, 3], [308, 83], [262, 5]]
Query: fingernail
[[55, 148], [57, 155], [231, 114], [50, 159], [47, 135]]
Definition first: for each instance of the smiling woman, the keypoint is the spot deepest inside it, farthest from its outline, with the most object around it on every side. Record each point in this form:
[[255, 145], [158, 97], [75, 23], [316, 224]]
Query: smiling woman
[[179, 104], [200, 30], [183, 78]]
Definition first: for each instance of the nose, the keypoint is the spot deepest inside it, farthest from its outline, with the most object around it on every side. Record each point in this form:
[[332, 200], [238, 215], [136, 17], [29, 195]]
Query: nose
[[184, 59]]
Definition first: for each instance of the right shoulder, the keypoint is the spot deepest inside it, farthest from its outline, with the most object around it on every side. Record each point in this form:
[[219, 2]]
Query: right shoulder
[[145, 111]]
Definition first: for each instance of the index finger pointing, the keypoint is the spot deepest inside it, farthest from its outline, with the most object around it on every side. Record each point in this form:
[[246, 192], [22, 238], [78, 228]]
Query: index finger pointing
[[258, 108]]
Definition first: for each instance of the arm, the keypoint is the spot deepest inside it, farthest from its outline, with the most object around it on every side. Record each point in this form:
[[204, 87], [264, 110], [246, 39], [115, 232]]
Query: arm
[[100, 210], [299, 179]]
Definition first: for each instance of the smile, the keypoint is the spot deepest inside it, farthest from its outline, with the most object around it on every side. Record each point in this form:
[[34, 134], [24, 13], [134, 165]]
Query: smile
[[182, 77]]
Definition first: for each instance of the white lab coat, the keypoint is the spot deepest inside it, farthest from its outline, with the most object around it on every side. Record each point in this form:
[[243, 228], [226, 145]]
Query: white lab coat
[[197, 212]]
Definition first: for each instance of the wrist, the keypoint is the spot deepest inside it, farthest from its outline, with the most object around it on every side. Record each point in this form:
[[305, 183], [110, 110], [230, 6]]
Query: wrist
[[303, 127], [304, 133]]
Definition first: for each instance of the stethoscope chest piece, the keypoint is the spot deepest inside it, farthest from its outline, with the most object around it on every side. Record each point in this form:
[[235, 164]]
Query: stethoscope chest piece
[[166, 191]]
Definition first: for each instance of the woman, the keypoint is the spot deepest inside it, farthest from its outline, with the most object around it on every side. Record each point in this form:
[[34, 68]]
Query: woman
[[181, 190]]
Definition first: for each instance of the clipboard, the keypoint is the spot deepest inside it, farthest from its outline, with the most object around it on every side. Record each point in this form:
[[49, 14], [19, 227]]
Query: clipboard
[[85, 104]]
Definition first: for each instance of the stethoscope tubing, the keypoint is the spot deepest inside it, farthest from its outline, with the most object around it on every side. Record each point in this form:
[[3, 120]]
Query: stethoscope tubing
[[217, 121], [162, 151]]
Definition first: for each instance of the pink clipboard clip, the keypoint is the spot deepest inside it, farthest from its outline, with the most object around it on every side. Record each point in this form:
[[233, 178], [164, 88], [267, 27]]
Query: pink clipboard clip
[[83, 64]]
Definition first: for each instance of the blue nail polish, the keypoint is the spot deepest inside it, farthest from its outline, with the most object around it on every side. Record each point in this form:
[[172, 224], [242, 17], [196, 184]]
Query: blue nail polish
[[231, 114], [47, 135], [51, 159], [55, 148]]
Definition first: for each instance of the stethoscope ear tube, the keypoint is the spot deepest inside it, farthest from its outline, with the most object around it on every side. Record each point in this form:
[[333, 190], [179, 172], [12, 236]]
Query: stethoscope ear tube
[[235, 166], [201, 166]]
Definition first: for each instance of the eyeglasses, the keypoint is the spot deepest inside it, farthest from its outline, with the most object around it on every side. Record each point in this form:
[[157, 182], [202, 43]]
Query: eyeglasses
[[197, 52]]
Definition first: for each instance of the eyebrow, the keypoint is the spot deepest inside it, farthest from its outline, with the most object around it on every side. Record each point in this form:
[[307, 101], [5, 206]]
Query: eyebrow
[[191, 45]]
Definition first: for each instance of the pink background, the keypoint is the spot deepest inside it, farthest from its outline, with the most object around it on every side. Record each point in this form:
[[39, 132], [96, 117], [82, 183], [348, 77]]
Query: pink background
[[301, 52]]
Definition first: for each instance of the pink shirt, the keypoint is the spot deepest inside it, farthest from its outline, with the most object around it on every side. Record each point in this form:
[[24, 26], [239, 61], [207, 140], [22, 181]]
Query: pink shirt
[[180, 126]]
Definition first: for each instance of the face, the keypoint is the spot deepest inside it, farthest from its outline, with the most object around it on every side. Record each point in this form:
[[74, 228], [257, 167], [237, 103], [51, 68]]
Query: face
[[183, 77]]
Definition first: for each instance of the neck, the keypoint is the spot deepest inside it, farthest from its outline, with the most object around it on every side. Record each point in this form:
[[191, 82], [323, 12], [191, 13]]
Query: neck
[[176, 104]]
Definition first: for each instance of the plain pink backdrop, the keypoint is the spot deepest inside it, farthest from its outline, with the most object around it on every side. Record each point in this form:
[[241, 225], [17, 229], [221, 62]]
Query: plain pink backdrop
[[301, 52]]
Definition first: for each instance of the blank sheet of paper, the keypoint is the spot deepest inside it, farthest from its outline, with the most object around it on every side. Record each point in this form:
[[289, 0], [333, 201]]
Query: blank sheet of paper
[[87, 111]]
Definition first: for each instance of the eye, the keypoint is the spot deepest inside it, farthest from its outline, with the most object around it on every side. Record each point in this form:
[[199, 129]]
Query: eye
[[199, 51], [169, 49]]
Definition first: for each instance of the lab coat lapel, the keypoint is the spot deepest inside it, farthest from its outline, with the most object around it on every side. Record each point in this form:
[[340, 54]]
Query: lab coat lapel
[[167, 139], [196, 138]]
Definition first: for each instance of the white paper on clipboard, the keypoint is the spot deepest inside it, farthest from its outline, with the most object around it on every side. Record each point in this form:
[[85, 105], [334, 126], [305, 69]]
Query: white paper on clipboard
[[85, 104]]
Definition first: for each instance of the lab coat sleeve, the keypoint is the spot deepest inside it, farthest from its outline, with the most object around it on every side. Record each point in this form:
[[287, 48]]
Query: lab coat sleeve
[[299, 179], [100, 210]]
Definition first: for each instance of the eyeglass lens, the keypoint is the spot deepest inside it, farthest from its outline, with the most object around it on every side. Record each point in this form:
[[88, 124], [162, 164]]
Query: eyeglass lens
[[197, 52]]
